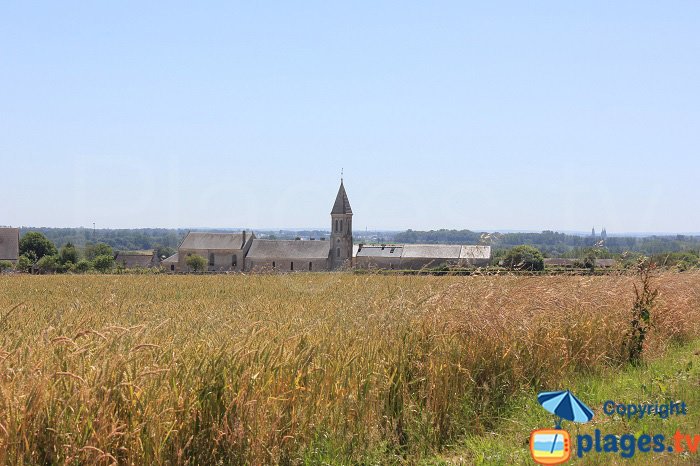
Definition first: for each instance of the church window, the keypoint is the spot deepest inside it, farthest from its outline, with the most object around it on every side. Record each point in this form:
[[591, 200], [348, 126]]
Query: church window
[[211, 259], [341, 225], [234, 260], [337, 252], [273, 264], [310, 263], [291, 266]]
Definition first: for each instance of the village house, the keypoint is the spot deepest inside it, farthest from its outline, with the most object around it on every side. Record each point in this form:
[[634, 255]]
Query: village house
[[9, 244], [136, 259]]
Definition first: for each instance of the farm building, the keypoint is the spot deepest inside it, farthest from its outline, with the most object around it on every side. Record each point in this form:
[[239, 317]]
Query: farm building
[[418, 256], [136, 259], [9, 244]]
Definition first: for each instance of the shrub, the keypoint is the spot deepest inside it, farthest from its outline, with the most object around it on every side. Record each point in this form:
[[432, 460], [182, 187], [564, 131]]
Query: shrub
[[24, 264], [47, 264], [524, 258], [83, 266], [103, 263], [5, 265]]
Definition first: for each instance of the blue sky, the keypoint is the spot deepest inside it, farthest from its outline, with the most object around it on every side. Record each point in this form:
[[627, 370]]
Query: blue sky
[[481, 115]]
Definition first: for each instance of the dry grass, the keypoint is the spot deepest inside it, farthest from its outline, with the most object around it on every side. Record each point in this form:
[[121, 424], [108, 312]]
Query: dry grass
[[290, 369]]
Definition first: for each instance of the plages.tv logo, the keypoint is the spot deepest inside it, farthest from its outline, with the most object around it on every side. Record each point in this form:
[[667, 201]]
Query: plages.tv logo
[[553, 446]]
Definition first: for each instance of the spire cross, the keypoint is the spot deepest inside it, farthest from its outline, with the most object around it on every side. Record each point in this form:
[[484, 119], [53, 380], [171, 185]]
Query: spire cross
[[341, 174]]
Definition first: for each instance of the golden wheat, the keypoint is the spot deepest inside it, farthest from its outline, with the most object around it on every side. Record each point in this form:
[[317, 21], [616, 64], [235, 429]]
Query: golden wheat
[[295, 368]]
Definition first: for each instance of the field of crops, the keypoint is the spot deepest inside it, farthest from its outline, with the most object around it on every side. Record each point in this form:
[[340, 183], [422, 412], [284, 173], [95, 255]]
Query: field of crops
[[296, 368]]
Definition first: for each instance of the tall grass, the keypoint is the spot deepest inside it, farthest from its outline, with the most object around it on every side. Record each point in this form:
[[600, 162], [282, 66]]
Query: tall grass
[[296, 368]]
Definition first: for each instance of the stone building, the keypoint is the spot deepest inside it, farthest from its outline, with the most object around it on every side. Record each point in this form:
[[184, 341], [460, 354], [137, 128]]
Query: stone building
[[241, 252], [9, 244], [419, 256], [341, 231], [136, 259], [224, 252], [287, 256]]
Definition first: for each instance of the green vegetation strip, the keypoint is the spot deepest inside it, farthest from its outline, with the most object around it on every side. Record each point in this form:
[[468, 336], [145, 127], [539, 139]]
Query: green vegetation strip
[[675, 376]]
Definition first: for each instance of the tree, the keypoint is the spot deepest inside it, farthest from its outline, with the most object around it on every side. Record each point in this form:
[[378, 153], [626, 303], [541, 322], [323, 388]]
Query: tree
[[34, 245], [196, 262], [68, 254], [103, 263], [524, 258], [99, 249], [5, 265]]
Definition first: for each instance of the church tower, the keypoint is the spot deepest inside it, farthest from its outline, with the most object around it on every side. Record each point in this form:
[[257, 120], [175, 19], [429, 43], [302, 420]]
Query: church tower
[[341, 230]]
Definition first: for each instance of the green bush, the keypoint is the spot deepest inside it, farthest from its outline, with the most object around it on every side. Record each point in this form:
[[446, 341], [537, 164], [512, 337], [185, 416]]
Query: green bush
[[48, 264], [24, 264], [5, 265], [83, 266], [523, 258], [103, 263]]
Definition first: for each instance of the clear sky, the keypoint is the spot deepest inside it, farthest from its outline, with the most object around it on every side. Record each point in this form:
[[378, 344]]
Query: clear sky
[[483, 115]]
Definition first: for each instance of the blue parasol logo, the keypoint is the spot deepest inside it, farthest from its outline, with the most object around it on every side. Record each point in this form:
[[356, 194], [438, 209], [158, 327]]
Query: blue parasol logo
[[566, 406]]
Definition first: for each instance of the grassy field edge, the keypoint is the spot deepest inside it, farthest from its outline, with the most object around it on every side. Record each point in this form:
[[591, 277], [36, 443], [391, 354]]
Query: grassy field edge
[[673, 376]]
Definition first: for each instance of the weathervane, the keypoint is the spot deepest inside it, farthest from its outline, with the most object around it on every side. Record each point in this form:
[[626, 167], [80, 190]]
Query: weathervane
[[341, 174]]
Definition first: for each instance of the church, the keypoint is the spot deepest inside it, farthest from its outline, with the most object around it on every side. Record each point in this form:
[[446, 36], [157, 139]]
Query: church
[[243, 252]]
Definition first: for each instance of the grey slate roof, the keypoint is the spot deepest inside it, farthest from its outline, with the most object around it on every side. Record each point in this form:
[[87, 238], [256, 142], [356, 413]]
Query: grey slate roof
[[262, 249], [9, 244], [342, 204], [558, 261], [432, 251], [134, 259], [475, 252], [206, 240], [171, 260], [389, 250]]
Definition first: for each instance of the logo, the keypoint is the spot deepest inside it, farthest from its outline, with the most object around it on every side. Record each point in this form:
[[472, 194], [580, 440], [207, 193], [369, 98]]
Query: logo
[[550, 446], [553, 446]]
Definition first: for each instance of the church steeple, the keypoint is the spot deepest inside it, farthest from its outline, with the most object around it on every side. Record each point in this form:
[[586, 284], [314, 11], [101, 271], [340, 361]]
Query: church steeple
[[341, 230]]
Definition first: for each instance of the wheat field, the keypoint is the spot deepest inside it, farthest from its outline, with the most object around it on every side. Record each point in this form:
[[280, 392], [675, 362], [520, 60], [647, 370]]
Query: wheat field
[[293, 369]]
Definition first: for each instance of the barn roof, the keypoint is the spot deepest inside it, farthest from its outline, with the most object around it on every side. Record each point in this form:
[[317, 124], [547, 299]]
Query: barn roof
[[559, 261], [342, 204], [432, 251], [171, 260], [475, 252], [9, 244], [135, 259], [386, 250], [288, 249], [206, 240]]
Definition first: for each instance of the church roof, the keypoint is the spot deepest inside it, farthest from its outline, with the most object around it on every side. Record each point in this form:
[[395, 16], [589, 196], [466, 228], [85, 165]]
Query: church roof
[[288, 249], [9, 243], [342, 204], [206, 240]]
